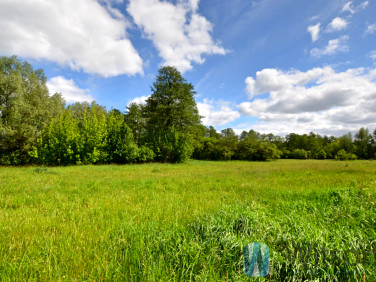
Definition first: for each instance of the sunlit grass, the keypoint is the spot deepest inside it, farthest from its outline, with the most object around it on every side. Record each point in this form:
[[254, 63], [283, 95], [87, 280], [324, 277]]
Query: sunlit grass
[[188, 221]]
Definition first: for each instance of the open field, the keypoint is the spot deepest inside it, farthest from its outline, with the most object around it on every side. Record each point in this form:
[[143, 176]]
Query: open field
[[188, 221]]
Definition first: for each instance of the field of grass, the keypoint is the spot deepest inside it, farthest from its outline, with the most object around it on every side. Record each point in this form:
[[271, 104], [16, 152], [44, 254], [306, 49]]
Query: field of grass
[[158, 222]]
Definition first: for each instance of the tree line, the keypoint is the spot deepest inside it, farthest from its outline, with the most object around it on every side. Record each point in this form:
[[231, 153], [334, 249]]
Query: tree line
[[36, 128]]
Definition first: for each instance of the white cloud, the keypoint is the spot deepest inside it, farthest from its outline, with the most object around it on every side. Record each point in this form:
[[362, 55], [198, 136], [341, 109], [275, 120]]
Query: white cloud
[[371, 28], [314, 30], [372, 55], [334, 46], [84, 36], [348, 8], [337, 24], [139, 100], [318, 100], [68, 89], [364, 5], [217, 112], [271, 80], [178, 32]]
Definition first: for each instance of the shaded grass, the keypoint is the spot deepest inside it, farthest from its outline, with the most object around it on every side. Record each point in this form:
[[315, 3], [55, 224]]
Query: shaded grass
[[188, 221]]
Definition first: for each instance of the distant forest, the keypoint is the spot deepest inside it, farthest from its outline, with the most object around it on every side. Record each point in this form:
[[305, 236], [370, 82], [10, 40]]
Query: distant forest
[[36, 128]]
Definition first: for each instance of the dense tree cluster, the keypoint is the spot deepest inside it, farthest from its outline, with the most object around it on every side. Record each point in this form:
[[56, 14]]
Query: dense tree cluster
[[255, 146], [38, 128]]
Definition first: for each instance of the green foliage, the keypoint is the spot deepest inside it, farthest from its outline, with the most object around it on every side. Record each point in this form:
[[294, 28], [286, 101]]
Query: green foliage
[[61, 142], [321, 155], [363, 144], [120, 143], [342, 155], [299, 154], [86, 134], [171, 116], [145, 154], [134, 118], [175, 146], [25, 109], [36, 128], [208, 150], [254, 147], [93, 131], [345, 142]]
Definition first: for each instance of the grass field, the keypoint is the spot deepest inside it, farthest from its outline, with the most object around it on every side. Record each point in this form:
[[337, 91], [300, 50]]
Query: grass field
[[158, 222]]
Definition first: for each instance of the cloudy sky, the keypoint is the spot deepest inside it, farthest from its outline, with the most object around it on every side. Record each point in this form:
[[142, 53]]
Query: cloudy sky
[[276, 66]]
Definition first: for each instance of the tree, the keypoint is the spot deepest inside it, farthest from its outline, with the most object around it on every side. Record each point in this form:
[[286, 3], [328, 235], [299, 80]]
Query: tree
[[227, 143], [363, 143], [212, 132], [120, 143], [93, 131], [374, 143], [171, 116], [346, 142], [25, 109], [256, 147], [342, 155], [134, 118], [299, 154], [60, 143]]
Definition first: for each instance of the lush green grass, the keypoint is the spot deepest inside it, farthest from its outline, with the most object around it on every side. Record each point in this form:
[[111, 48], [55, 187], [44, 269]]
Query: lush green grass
[[188, 221]]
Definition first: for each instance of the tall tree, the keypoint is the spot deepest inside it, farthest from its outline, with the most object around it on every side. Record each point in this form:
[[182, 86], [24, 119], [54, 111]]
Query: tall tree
[[61, 142], [25, 108], [171, 116], [346, 142], [134, 118], [93, 131], [363, 143]]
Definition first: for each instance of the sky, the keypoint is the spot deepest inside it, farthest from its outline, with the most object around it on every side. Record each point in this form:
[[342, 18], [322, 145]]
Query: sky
[[274, 66]]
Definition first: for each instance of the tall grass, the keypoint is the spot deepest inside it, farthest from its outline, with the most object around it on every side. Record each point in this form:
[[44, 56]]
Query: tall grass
[[188, 221]]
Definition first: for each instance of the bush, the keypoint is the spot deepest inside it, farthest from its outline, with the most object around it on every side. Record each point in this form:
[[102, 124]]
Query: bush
[[145, 154], [299, 154], [342, 155], [321, 155]]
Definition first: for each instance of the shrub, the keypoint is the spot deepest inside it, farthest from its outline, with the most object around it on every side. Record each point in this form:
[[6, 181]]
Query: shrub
[[342, 155], [299, 154]]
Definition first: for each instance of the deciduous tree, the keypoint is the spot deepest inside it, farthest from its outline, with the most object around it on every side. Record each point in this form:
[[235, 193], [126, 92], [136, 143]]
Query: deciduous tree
[[25, 109]]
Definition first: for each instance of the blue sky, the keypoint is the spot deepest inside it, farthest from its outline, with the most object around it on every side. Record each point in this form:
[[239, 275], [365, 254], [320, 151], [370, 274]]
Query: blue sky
[[276, 66]]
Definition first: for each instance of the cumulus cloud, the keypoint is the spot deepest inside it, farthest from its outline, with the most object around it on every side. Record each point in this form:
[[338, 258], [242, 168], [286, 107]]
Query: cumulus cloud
[[314, 30], [334, 46], [337, 24], [271, 80], [68, 89], [87, 36], [178, 32], [217, 112], [139, 100], [318, 100]]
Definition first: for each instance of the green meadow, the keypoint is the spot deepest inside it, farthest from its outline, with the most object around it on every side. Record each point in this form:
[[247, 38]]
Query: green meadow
[[178, 222]]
